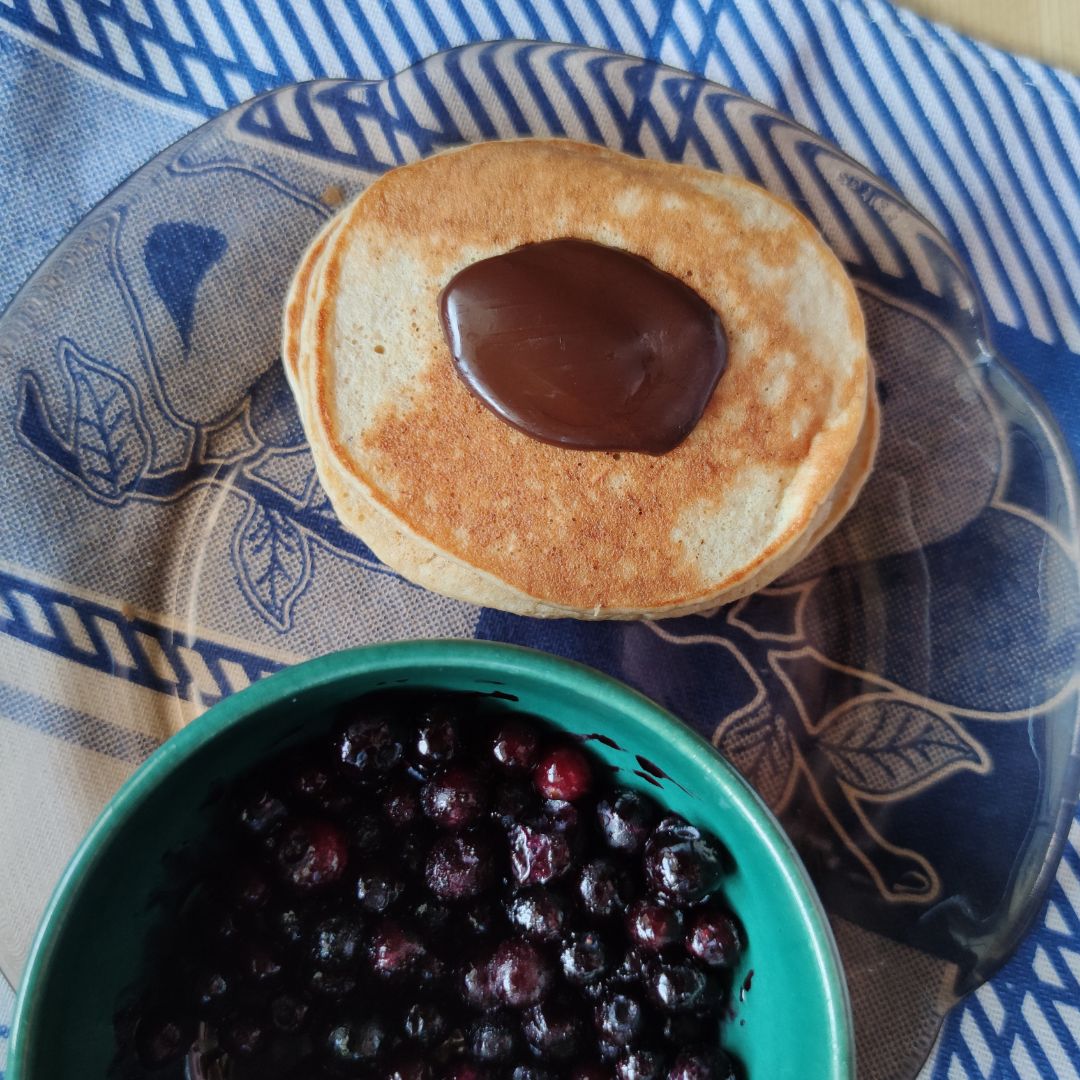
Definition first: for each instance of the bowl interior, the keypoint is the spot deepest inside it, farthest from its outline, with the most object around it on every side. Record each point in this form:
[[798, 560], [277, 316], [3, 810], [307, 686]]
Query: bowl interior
[[794, 1019]]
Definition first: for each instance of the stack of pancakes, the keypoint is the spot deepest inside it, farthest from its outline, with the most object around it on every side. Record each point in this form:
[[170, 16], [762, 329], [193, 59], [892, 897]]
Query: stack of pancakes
[[455, 499]]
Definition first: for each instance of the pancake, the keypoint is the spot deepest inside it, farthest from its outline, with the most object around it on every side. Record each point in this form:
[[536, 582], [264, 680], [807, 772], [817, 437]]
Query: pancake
[[780, 454]]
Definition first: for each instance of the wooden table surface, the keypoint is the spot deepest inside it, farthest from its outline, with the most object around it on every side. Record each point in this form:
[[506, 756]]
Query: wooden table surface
[[1048, 30]]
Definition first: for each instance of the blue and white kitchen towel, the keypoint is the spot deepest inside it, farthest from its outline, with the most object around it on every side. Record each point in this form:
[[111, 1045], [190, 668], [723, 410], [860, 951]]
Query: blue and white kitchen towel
[[985, 144]]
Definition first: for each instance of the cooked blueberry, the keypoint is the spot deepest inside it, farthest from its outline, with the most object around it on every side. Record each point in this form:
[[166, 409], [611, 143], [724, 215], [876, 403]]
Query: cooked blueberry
[[212, 990], [463, 1070], [400, 803], [395, 951], [311, 854], [563, 773], [688, 1029], [538, 855], [425, 1023], [333, 986], [513, 799], [366, 832], [680, 862], [625, 820], [337, 943], [604, 889], [702, 1064], [312, 781], [261, 811], [533, 1072], [285, 925], [520, 973], [712, 938], [369, 746], [377, 888], [459, 867], [676, 986], [161, 1037], [288, 1013], [493, 1038], [515, 746], [619, 1018], [629, 969], [432, 916], [538, 913], [639, 1065], [481, 919], [243, 1036], [584, 958], [249, 888], [553, 1031], [594, 1071], [260, 965], [454, 797], [436, 741], [476, 981], [407, 1067], [353, 1042], [652, 927]]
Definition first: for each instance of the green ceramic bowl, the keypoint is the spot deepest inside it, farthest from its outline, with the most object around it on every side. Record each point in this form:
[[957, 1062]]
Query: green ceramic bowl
[[794, 1022]]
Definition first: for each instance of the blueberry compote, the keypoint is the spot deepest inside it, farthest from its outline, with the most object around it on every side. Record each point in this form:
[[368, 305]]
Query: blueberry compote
[[436, 891]]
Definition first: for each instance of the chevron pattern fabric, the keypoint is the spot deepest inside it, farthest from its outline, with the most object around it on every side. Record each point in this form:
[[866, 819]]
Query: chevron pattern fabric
[[985, 144]]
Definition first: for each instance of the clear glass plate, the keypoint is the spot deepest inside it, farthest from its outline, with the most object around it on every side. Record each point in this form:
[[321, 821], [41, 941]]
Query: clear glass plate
[[905, 699]]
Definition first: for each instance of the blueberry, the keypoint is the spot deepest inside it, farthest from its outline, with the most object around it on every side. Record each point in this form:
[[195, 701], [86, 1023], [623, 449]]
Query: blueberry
[[332, 986], [676, 986], [552, 1031], [652, 927], [436, 742], [701, 1063], [459, 867], [538, 913], [512, 800], [243, 1036], [584, 958], [261, 811], [493, 1038], [248, 887], [337, 943], [311, 855], [639, 1065], [686, 1029], [425, 1023], [713, 938], [533, 1072], [395, 951], [432, 916], [368, 747], [454, 797], [515, 746], [161, 1038], [355, 1042], [538, 855], [260, 965], [288, 1013], [366, 832], [212, 990], [377, 888], [399, 803], [481, 918], [680, 862], [520, 974], [476, 981], [625, 821], [563, 773], [407, 1067], [619, 1019], [604, 889], [286, 926]]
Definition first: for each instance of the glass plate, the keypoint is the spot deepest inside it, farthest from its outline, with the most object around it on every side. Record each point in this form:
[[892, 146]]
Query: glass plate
[[905, 699]]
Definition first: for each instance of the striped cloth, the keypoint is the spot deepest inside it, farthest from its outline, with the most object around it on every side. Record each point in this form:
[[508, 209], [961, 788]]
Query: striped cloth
[[986, 144]]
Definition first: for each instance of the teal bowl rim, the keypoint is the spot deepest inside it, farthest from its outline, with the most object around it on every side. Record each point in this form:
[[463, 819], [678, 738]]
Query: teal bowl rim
[[497, 659]]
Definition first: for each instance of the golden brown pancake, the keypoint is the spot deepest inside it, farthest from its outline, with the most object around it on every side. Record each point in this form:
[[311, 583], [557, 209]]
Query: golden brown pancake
[[454, 498]]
